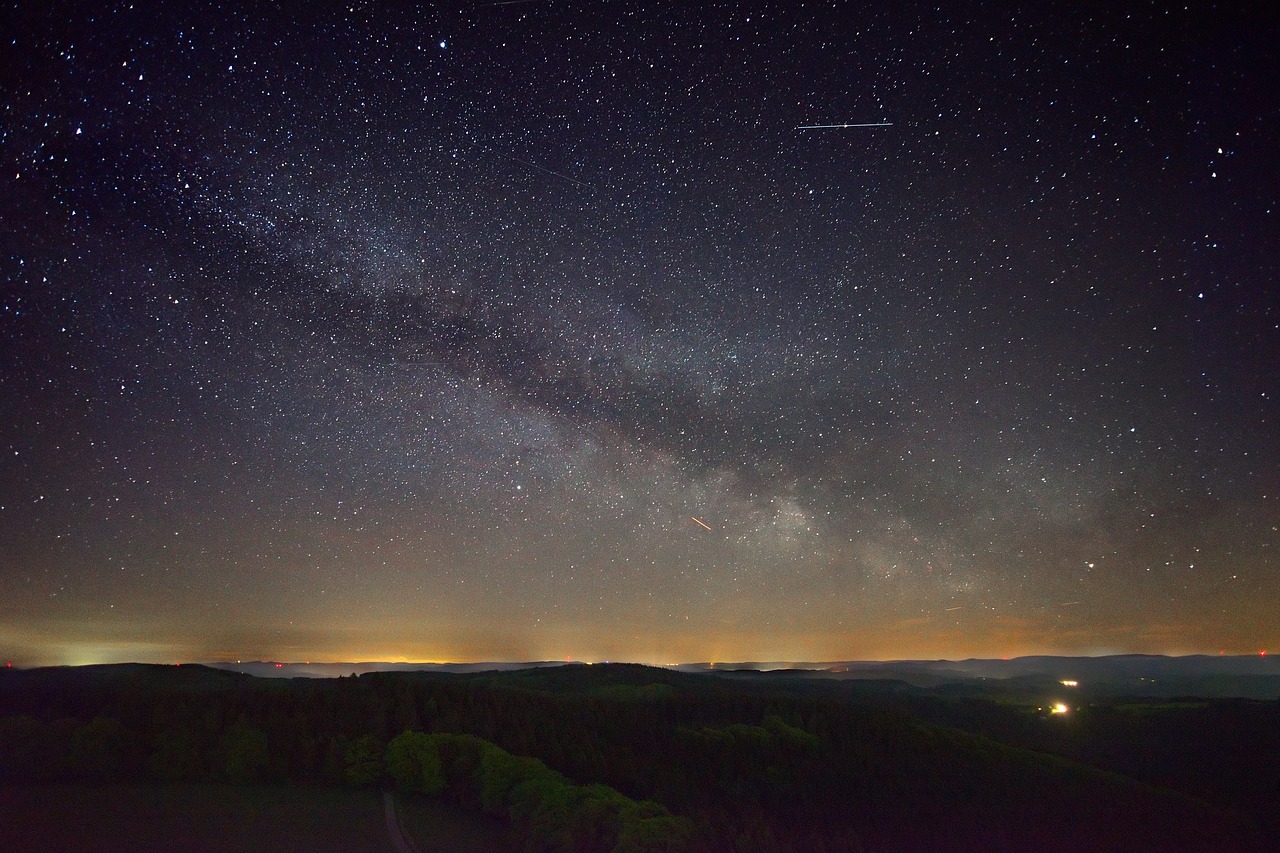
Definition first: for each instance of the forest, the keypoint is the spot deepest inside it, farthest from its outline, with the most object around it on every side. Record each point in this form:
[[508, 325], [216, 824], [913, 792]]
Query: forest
[[620, 757]]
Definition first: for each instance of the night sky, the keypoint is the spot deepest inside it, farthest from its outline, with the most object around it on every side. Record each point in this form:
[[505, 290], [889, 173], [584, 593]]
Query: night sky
[[538, 330]]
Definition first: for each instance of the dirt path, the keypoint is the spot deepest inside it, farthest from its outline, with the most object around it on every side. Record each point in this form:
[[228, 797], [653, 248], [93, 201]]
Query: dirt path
[[399, 840]]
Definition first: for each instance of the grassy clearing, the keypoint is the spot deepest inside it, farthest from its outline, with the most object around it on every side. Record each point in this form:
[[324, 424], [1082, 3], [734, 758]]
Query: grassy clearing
[[192, 818], [195, 818], [442, 828]]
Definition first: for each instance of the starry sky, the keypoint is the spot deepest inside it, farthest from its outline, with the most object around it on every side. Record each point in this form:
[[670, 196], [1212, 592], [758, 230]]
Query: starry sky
[[538, 330]]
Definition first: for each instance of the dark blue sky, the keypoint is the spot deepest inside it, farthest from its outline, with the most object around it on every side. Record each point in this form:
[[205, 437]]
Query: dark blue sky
[[542, 330]]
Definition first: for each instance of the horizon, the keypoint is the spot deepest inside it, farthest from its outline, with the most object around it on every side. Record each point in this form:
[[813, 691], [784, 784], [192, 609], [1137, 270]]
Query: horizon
[[749, 663]]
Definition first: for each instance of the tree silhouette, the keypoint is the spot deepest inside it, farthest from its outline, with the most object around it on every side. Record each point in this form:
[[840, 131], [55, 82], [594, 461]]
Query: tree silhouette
[[413, 763], [243, 750]]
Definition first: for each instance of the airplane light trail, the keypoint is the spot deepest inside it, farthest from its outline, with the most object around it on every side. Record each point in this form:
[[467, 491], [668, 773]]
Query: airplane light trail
[[842, 126], [701, 522]]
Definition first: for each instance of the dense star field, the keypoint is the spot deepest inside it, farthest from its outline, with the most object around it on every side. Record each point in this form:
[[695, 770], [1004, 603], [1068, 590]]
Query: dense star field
[[535, 330]]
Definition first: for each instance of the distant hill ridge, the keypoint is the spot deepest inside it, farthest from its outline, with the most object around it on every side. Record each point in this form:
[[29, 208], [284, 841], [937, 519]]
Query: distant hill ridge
[[1211, 676], [1221, 676], [980, 667]]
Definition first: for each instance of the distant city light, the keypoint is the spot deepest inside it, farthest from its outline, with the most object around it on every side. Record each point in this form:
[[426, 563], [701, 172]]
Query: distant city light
[[1069, 683], [1059, 708]]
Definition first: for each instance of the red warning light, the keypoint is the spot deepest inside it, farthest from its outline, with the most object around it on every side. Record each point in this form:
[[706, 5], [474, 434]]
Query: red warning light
[[1262, 653]]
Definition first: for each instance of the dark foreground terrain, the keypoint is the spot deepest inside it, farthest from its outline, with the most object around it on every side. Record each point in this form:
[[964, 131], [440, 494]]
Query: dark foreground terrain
[[622, 757]]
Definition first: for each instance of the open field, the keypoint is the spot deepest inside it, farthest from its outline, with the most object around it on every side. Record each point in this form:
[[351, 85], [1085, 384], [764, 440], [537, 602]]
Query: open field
[[57, 817], [437, 827], [191, 818]]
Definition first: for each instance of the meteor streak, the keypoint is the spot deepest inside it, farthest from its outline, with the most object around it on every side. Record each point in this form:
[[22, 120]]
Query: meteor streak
[[843, 126], [700, 521], [583, 184]]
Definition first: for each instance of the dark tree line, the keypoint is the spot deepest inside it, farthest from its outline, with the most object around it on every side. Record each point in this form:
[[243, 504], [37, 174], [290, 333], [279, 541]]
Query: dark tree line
[[598, 758]]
